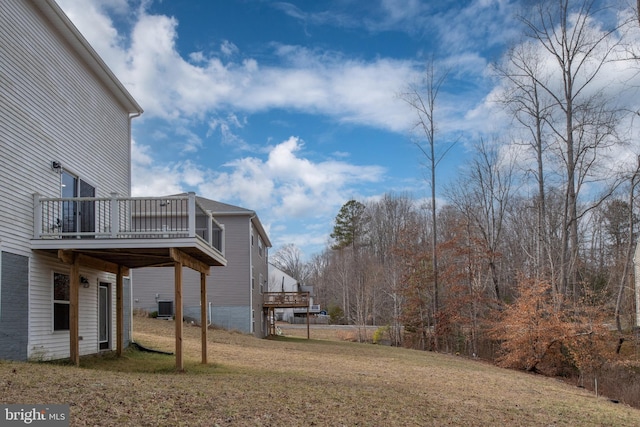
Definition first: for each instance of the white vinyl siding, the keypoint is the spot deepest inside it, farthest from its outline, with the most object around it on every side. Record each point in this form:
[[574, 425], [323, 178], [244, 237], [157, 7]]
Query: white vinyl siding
[[45, 343], [53, 109]]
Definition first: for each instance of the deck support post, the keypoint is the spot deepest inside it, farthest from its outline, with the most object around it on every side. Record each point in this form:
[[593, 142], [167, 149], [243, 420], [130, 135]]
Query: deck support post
[[119, 311], [179, 315], [203, 316]]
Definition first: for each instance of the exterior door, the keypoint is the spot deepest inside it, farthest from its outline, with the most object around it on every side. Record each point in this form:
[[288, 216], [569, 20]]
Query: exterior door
[[77, 216], [104, 316]]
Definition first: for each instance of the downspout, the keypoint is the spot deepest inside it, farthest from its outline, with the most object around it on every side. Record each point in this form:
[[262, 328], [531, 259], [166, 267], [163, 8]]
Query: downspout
[[251, 312], [131, 117]]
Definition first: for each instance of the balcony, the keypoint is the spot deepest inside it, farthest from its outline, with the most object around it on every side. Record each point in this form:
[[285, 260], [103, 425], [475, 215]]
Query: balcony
[[129, 231]]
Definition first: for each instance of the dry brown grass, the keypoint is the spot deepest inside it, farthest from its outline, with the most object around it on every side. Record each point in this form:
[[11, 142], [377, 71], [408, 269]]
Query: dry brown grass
[[292, 381]]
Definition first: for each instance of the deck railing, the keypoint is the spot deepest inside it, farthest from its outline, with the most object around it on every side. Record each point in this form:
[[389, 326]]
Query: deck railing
[[286, 299], [118, 217]]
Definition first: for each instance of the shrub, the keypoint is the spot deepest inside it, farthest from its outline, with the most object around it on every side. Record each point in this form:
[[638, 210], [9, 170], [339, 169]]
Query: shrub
[[380, 334], [541, 335], [336, 315]]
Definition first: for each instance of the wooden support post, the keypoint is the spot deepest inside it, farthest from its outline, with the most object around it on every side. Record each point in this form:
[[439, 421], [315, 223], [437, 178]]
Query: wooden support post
[[119, 312], [308, 336], [203, 316], [178, 320], [74, 329]]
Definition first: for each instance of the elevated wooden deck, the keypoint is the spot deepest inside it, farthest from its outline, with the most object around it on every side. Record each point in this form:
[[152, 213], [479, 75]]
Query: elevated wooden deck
[[273, 300], [285, 300]]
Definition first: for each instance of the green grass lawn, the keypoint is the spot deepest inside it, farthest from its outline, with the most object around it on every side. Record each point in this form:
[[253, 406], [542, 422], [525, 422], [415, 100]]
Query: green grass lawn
[[295, 382]]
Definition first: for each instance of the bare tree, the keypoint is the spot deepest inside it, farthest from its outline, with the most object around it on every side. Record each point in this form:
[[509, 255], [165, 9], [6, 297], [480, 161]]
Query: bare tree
[[483, 194], [527, 101], [624, 279], [584, 123], [317, 267], [422, 98], [388, 218], [288, 258]]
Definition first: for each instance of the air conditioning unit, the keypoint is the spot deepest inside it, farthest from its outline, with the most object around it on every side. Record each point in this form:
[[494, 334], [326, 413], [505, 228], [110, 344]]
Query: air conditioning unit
[[165, 309]]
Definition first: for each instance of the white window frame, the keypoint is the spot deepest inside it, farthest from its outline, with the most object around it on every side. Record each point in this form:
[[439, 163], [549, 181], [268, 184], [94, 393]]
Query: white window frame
[[54, 301]]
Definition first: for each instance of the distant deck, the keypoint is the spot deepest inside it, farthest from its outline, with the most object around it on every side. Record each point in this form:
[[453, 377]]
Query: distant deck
[[273, 300], [286, 300]]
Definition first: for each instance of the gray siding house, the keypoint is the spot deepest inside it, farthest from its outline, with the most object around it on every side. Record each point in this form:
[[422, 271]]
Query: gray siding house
[[234, 293], [69, 231]]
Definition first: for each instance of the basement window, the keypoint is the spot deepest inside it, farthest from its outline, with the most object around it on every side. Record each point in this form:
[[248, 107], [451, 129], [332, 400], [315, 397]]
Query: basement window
[[61, 302]]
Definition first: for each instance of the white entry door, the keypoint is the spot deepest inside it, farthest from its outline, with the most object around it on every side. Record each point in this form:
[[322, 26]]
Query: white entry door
[[104, 316]]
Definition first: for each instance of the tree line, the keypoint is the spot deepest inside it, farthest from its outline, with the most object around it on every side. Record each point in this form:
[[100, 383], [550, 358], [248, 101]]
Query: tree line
[[527, 256]]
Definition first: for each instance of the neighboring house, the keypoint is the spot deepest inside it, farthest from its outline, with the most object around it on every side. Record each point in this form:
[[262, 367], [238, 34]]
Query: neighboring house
[[69, 232], [234, 293], [279, 281]]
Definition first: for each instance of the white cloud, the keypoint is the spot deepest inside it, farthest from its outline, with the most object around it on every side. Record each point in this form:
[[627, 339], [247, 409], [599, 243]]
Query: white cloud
[[197, 56], [287, 183], [172, 87], [228, 48], [140, 154], [92, 20], [226, 126], [283, 185]]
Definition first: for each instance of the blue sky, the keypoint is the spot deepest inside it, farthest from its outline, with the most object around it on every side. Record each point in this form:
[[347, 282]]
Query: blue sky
[[291, 108]]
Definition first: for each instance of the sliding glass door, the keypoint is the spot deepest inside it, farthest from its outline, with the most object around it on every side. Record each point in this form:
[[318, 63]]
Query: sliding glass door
[[77, 216]]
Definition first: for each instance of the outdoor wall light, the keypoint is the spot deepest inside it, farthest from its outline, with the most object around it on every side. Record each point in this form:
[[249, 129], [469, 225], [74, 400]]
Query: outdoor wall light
[[56, 166], [84, 281]]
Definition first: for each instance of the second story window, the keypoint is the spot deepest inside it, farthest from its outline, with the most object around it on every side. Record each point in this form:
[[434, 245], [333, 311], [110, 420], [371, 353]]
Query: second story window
[[260, 246]]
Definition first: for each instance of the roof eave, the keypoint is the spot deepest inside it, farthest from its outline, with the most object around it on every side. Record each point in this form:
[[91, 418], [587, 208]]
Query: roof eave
[[71, 34]]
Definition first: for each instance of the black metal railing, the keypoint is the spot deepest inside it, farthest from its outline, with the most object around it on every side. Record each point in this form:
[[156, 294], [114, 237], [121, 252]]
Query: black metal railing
[[126, 218]]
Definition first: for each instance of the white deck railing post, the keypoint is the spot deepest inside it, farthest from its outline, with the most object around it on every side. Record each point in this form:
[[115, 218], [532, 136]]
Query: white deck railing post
[[115, 215], [210, 229], [222, 239], [192, 214], [37, 216]]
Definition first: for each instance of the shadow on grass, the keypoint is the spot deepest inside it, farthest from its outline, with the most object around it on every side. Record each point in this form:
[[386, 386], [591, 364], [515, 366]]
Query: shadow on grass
[[303, 340], [134, 360]]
